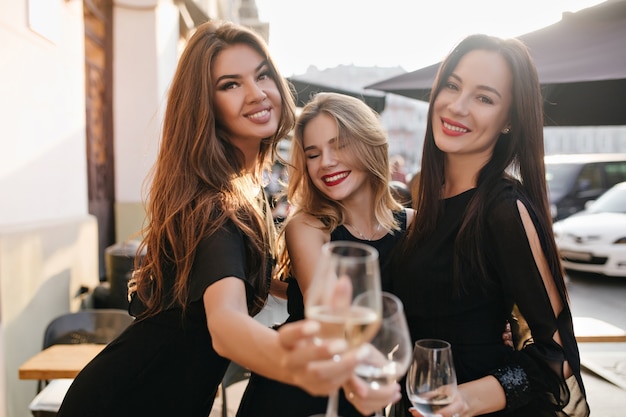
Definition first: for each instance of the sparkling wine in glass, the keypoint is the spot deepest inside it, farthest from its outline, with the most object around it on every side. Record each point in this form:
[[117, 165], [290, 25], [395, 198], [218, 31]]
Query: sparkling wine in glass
[[391, 351], [431, 379], [345, 297]]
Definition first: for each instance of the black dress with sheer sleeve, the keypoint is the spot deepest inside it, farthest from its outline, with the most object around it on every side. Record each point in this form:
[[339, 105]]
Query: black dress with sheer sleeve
[[164, 365], [473, 316], [265, 397]]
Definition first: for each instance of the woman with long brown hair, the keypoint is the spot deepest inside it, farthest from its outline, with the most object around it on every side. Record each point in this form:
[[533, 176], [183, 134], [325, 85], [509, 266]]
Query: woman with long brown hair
[[209, 243]]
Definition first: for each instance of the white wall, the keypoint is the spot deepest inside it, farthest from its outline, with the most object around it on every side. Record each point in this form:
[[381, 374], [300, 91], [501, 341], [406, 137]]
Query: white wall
[[48, 241], [145, 44], [585, 139], [42, 115]]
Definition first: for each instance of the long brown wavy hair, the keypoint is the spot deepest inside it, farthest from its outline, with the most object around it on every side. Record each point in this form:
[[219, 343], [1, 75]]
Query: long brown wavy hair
[[198, 181], [360, 129]]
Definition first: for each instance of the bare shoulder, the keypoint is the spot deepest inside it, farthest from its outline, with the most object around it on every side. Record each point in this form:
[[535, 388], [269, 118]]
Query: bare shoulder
[[304, 232], [301, 222]]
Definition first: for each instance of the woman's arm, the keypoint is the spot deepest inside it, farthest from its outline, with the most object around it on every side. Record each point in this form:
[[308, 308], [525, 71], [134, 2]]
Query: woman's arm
[[294, 359], [537, 370], [304, 238], [544, 270]]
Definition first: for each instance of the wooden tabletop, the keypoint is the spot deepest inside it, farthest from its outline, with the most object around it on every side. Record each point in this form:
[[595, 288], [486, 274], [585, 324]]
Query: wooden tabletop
[[59, 361], [588, 329]]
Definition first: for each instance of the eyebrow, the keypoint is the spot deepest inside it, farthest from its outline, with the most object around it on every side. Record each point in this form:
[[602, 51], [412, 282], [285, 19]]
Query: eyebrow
[[237, 76], [481, 87], [331, 140]]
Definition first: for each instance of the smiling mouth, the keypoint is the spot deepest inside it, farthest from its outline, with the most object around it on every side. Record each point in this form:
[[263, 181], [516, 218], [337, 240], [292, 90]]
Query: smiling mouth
[[335, 178], [259, 115], [454, 128]]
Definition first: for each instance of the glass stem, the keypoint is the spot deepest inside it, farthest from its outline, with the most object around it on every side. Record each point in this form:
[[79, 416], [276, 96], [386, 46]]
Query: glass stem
[[332, 409]]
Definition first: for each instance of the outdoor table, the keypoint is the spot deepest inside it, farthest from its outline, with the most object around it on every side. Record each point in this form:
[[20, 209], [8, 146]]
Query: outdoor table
[[588, 329], [59, 361]]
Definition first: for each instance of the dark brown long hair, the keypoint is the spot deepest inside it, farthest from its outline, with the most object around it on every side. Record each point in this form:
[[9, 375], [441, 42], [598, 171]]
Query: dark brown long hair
[[197, 181], [520, 151]]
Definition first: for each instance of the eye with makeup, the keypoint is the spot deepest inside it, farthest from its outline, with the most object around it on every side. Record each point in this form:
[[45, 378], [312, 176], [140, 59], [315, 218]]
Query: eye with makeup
[[312, 155], [451, 86], [264, 73], [485, 99], [227, 85]]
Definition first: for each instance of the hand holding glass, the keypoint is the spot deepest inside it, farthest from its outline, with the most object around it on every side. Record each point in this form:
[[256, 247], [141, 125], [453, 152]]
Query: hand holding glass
[[391, 348], [431, 379], [345, 297]]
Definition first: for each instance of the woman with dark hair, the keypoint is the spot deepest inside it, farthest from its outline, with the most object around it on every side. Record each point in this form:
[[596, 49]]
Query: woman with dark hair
[[481, 250], [209, 243]]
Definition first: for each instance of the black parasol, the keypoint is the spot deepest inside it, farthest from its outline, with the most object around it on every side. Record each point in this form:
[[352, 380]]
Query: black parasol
[[581, 62], [305, 90]]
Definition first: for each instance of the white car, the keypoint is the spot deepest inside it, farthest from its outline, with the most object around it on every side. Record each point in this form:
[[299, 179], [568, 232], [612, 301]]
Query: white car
[[594, 240]]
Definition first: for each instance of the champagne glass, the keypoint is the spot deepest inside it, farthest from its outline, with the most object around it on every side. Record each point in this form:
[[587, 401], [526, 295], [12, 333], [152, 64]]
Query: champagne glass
[[431, 379], [345, 297], [391, 351]]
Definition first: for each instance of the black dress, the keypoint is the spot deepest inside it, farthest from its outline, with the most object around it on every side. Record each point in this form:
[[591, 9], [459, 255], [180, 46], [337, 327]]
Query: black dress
[[265, 397], [164, 365], [472, 319]]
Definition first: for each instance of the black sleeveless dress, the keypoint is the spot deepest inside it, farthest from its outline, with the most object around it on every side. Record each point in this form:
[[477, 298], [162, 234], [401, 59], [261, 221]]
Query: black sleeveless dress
[[265, 397]]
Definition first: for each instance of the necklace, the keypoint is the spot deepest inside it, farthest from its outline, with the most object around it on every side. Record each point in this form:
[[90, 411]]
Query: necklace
[[361, 234]]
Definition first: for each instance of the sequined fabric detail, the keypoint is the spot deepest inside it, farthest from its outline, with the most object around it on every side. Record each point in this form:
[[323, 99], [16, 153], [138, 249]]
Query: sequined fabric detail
[[516, 387]]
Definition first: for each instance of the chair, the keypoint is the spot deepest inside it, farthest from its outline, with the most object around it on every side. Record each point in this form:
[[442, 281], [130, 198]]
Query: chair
[[234, 374], [87, 326], [98, 326]]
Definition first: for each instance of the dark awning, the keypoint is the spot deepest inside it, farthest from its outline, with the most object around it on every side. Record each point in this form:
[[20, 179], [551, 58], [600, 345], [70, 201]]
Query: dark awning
[[581, 62], [305, 90]]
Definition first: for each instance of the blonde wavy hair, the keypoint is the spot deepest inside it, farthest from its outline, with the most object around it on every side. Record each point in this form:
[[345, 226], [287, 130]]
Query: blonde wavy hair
[[359, 129]]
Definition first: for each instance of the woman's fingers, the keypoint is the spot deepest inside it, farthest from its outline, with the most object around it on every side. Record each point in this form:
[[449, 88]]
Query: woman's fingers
[[367, 399], [318, 366], [322, 376], [291, 334], [507, 335]]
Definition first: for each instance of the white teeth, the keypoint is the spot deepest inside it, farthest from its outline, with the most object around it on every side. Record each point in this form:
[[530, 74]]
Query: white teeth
[[336, 177], [258, 115], [455, 128]]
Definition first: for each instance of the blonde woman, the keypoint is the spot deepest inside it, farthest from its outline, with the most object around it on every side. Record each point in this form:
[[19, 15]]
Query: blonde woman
[[339, 190]]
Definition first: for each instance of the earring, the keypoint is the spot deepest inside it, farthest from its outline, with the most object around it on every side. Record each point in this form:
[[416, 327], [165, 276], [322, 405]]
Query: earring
[[507, 131]]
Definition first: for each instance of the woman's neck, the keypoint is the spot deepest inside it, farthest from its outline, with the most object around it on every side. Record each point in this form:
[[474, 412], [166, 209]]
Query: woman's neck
[[461, 174], [360, 217]]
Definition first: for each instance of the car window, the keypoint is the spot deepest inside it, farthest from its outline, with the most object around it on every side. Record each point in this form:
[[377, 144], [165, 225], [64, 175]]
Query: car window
[[615, 172], [590, 178], [559, 177], [612, 201]]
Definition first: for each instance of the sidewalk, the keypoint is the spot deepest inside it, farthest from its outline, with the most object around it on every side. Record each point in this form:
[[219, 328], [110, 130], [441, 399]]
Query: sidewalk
[[604, 376]]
